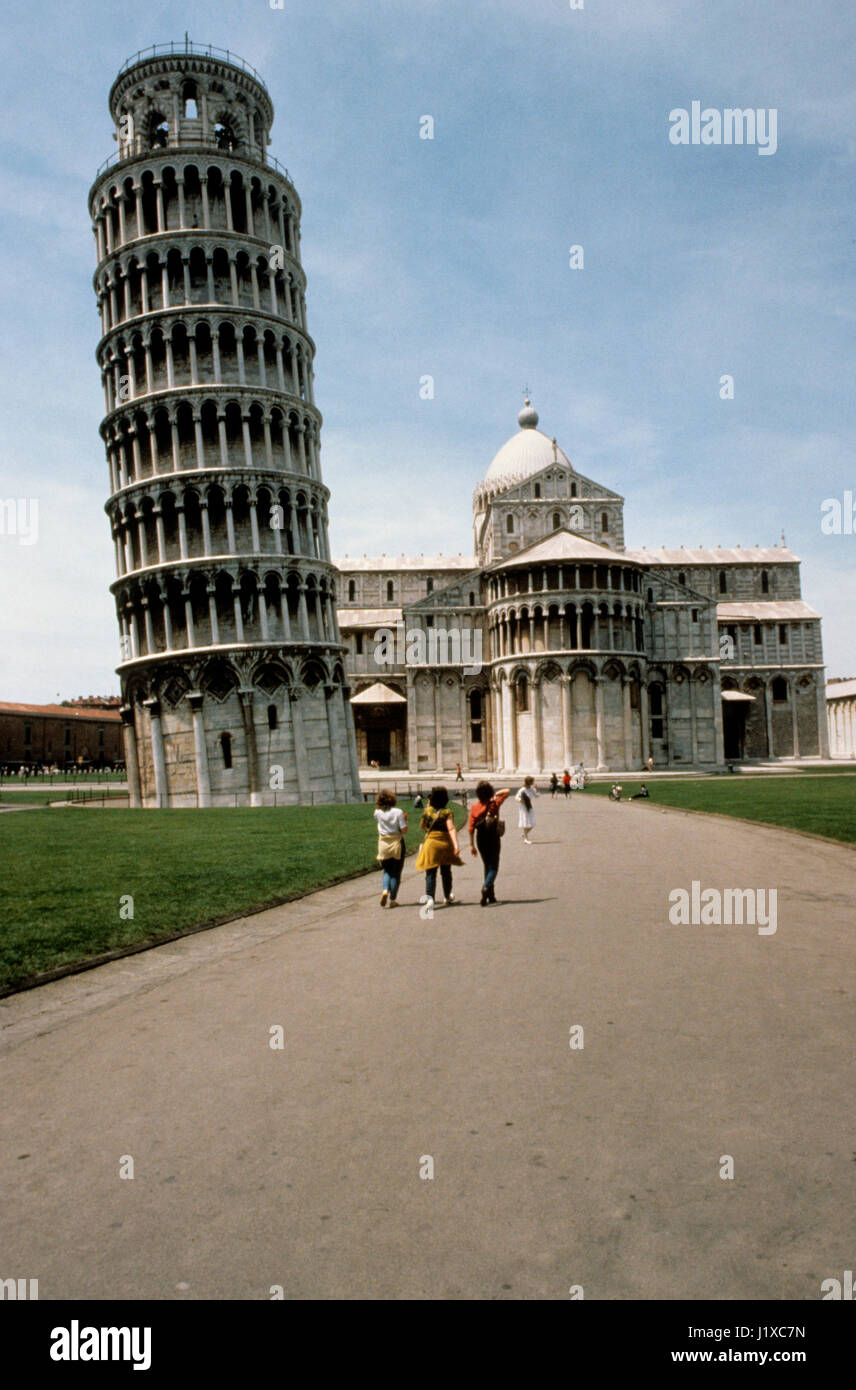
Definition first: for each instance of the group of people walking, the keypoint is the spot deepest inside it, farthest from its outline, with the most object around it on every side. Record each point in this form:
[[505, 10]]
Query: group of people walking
[[440, 849]]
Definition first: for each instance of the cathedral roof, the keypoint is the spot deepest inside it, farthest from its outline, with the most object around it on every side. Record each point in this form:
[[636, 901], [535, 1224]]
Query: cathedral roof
[[526, 452], [368, 617], [563, 545], [840, 690], [350, 564], [770, 610], [747, 555]]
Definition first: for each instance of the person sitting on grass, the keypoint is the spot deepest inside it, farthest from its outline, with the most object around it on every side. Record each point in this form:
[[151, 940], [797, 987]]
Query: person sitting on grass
[[439, 849], [642, 792]]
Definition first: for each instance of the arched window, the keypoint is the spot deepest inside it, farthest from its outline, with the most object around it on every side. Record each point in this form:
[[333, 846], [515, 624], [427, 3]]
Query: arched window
[[655, 705], [780, 691], [271, 716], [765, 582], [521, 692], [682, 578], [557, 520], [352, 591], [475, 716], [430, 586], [650, 595], [226, 749], [188, 96], [723, 582], [472, 599], [390, 591], [537, 490], [509, 523], [604, 521]]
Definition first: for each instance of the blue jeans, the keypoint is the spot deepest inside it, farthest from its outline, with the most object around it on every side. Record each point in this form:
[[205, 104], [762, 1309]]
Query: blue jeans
[[487, 844], [392, 875], [431, 881]]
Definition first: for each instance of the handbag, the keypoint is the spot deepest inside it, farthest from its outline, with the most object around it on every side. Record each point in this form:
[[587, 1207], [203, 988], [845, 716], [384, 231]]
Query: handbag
[[493, 820]]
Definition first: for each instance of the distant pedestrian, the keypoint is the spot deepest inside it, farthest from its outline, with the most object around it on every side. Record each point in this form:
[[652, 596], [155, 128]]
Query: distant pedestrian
[[615, 792], [526, 817], [486, 829], [650, 763], [439, 849], [566, 782], [459, 776], [554, 784], [391, 829]]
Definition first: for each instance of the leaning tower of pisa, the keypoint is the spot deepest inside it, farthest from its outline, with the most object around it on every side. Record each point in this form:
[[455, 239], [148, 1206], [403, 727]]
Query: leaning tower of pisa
[[231, 660]]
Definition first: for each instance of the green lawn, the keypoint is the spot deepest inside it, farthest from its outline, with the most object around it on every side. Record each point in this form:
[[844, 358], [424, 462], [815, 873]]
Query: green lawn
[[65, 871], [824, 805]]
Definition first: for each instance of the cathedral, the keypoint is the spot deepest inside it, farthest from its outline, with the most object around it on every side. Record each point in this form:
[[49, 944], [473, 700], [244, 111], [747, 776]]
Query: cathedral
[[552, 644]]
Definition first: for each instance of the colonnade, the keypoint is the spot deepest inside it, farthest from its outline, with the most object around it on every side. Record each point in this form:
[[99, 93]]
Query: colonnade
[[201, 607], [224, 519], [210, 432]]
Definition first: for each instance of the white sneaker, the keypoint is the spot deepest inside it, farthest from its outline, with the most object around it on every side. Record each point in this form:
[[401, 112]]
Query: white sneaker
[[450, 900]]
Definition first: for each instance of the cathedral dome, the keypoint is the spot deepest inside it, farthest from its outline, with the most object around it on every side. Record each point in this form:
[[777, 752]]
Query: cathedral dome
[[525, 453]]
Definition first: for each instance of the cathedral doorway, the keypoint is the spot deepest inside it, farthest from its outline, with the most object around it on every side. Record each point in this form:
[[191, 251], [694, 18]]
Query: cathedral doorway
[[380, 726], [734, 708], [378, 746]]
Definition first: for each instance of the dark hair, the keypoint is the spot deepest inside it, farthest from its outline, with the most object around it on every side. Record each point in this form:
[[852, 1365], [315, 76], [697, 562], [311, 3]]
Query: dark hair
[[484, 792], [439, 798], [385, 800]]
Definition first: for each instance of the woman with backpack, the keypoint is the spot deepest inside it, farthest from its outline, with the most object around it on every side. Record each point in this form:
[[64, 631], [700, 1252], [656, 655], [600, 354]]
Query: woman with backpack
[[439, 849], [486, 830], [526, 818]]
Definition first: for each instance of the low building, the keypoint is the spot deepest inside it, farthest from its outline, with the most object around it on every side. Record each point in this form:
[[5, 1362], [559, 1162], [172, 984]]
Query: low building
[[74, 735]]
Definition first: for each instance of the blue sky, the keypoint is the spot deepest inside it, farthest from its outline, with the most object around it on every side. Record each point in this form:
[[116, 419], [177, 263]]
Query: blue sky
[[450, 258]]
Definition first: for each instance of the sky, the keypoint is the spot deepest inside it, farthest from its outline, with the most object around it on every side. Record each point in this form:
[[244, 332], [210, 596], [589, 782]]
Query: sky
[[450, 258]]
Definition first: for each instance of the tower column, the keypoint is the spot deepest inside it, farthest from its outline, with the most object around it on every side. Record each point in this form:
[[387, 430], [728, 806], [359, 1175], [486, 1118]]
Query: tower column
[[158, 758], [598, 716], [132, 765]]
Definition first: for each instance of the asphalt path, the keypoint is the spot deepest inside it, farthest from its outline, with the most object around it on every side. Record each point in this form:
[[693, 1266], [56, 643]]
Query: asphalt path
[[598, 1167]]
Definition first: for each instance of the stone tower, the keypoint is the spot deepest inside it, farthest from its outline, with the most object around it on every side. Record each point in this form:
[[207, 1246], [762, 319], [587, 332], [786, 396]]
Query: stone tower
[[232, 664]]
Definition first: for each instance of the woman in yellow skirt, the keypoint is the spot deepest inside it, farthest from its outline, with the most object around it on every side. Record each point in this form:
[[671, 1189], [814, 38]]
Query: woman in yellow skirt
[[439, 849]]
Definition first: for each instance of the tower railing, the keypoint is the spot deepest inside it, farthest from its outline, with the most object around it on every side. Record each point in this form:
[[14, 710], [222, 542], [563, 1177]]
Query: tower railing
[[138, 146], [188, 49]]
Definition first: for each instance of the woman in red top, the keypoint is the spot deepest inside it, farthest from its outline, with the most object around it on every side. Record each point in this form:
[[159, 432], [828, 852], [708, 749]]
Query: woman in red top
[[484, 831]]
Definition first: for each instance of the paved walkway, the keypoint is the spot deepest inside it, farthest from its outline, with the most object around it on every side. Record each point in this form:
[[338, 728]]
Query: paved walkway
[[405, 1038]]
